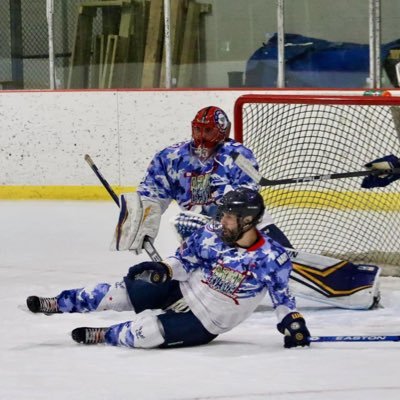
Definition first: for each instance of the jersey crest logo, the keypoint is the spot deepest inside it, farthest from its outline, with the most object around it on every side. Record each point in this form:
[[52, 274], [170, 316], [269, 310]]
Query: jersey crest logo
[[226, 281], [201, 189]]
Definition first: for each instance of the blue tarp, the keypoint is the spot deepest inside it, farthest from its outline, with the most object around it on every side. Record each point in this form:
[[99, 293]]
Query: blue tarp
[[313, 62]]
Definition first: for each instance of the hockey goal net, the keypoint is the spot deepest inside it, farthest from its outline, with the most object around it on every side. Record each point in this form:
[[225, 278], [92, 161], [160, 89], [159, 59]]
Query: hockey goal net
[[300, 136]]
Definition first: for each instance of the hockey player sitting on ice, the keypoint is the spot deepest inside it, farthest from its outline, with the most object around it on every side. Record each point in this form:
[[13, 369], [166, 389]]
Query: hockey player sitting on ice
[[196, 174], [386, 162], [214, 281]]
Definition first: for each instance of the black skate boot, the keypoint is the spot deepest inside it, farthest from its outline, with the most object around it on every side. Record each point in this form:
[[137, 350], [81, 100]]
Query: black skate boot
[[45, 305], [89, 335]]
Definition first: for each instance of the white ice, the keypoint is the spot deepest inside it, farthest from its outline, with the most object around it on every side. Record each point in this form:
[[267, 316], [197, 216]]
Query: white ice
[[49, 246]]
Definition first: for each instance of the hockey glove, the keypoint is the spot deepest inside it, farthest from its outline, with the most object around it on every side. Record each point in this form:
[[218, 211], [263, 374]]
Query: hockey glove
[[151, 272], [293, 326], [387, 162]]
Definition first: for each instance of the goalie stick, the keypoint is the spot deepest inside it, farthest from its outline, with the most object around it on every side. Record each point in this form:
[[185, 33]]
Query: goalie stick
[[246, 166], [147, 244], [363, 338]]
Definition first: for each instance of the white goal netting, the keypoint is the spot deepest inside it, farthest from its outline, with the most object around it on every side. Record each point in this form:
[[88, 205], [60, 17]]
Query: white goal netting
[[300, 136]]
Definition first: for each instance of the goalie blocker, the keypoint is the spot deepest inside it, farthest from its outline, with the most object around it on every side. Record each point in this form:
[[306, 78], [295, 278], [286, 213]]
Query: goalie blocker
[[139, 219], [314, 277]]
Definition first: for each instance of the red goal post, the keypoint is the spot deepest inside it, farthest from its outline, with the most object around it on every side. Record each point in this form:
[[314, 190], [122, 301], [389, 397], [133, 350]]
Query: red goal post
[[306, 135]]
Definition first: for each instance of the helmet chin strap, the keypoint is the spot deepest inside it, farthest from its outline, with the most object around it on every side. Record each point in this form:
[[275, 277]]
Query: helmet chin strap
[[241, 230]]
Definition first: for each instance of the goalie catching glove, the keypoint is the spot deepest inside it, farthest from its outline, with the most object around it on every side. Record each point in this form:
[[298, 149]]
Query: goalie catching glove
[[151, 272], [387, 162], [293, 326], [138, 218], [187, 222]]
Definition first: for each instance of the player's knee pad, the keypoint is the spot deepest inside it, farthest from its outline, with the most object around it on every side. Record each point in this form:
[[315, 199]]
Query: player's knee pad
[[116, 299], [145, 331]]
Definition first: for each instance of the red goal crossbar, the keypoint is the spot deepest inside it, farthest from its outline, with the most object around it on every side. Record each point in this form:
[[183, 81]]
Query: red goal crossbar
[[305, 99]]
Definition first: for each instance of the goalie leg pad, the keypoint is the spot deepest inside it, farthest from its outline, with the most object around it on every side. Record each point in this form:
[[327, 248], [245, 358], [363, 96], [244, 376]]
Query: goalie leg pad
[[339, 283], [145, 331]]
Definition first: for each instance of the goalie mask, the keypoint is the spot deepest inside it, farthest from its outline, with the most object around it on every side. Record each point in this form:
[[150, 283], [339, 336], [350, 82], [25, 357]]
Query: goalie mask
[[210, 127], [248, 207]]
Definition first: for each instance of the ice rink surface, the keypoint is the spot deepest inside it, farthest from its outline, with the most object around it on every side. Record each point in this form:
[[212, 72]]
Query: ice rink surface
[[49, 246]]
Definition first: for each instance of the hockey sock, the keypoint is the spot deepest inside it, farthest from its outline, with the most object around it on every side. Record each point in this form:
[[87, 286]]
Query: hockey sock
[[83, 299]]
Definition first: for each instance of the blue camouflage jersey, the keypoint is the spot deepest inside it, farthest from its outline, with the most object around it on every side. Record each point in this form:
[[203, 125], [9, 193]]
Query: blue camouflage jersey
[[223, 284], [176, 174]]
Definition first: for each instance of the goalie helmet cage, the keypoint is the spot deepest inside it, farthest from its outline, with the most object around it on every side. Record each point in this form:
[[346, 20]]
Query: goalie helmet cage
[[295, 136]]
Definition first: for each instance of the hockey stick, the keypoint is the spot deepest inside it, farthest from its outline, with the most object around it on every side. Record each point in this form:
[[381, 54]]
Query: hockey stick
[[246, 166], [147, 244], [364, 338], [106, 185]]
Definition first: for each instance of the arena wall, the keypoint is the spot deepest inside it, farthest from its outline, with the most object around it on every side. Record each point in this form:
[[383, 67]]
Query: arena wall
[[44, 136]]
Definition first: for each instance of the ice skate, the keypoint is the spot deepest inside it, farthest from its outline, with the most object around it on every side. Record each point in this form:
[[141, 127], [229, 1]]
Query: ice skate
[[89, 335], [45, 305]]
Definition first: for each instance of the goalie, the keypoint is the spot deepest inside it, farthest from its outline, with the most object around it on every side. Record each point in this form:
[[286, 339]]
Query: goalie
[[196, 174]]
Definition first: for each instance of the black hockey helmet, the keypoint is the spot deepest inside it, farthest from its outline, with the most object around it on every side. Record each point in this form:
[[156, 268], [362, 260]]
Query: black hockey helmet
[[242, 202]]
